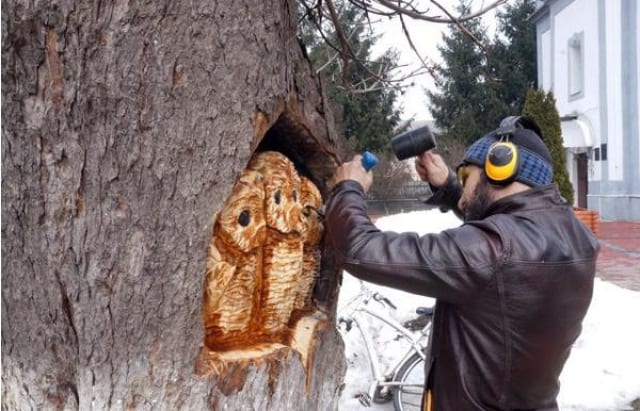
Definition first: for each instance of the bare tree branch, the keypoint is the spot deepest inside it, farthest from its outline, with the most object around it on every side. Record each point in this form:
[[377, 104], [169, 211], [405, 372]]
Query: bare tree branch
[[345, 48], [368, 8], [429, 69], [421, 16], [346, 52], [361, 87], [462, 28], [359, 23], [326, 9]]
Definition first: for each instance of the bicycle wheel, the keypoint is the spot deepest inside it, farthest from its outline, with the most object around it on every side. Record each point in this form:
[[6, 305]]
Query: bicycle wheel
[[408, 396]]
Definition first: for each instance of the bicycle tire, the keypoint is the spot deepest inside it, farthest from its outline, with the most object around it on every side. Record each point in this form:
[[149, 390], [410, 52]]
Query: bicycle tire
[[411, 372]]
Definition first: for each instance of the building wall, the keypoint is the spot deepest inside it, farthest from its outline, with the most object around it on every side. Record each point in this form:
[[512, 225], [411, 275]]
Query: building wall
[[613, 134], [609, 98], [617, 194], [545, 62]]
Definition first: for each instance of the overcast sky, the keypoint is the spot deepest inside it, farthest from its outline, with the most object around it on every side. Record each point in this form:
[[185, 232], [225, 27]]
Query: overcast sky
[[426, 36]]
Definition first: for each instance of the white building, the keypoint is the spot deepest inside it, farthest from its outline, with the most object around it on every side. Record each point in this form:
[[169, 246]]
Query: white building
[[588, 55]]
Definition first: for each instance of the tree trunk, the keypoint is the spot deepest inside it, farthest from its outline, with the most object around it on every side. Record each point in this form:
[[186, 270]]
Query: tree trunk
[[124, 128]]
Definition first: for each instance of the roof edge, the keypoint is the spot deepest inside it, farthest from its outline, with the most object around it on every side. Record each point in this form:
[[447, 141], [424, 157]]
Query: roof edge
[[541, 12]]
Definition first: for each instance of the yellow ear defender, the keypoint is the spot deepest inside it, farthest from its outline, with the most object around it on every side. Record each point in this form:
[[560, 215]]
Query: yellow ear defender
[[501, 164]]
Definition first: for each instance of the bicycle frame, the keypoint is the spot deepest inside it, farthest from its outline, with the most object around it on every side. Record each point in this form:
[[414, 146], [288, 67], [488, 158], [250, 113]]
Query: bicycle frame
[[381, 379]]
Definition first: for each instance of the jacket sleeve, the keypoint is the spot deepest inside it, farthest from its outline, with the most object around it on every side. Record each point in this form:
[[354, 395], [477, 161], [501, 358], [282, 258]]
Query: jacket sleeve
[[447, 196], [453, 265]]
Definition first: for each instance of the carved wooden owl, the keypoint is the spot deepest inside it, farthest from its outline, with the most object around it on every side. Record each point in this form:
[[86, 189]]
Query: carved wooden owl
[[283, 248], [233, 281], [282, 190], [311, 201]]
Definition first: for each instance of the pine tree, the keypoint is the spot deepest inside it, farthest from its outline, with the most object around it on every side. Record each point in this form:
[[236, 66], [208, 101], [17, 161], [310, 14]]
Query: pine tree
[[467, 106], [513, 54], [368, 118], [542, 109], [481, 87]]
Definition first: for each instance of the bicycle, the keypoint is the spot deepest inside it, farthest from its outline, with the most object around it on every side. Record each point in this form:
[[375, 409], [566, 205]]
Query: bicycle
[[403, 381]]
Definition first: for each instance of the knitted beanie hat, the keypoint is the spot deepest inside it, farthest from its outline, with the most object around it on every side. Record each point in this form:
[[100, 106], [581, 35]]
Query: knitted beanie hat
[[535, 169]]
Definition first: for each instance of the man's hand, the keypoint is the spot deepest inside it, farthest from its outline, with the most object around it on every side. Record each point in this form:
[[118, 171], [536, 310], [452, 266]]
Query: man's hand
[[353, 170], [432, 169]]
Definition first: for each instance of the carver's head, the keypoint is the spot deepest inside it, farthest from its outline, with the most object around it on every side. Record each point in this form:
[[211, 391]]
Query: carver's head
[[508, 160]]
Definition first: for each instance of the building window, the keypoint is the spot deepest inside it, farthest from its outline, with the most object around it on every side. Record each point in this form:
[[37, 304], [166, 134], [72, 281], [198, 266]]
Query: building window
[[575, 52]]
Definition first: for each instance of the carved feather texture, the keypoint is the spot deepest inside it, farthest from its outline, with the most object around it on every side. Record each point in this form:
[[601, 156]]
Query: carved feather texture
[[232, 284], [282, 267], [282, 257], [263, 256]]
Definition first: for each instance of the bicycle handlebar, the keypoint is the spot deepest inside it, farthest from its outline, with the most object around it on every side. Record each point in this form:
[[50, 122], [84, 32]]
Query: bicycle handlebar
[[382, 299], [365, 295]]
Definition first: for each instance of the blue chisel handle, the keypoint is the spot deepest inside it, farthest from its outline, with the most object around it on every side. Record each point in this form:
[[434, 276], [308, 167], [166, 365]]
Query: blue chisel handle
[[369, 160]]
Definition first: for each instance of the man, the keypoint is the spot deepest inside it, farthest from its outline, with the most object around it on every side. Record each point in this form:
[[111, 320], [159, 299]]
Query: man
[[512, 284]]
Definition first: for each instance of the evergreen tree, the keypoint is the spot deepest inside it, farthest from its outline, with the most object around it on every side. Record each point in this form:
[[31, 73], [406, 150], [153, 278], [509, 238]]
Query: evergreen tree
[[542, 109], [467, 106], [481, 87], [368, 118], [513, 54]]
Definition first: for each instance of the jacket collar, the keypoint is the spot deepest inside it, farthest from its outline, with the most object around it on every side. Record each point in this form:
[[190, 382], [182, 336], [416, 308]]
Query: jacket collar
[[534, 198]]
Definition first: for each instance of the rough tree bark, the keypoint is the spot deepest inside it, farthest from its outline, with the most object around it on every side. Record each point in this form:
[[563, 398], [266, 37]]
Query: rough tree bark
[[124, 127]]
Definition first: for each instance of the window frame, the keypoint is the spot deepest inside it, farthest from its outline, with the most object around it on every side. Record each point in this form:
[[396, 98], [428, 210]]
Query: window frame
[[575, 66]]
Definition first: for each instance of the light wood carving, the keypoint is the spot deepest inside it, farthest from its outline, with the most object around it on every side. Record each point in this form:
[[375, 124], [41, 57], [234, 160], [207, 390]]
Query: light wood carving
[[262, 261], [233, 284], [283, 248]]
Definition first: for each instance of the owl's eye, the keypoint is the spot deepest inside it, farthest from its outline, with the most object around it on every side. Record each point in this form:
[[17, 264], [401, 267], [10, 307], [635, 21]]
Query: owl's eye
[[276, 197], [244, 218], [295, 196]]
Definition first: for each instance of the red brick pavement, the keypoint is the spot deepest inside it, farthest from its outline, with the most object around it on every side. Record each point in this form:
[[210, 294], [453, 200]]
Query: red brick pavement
[[619, 258]]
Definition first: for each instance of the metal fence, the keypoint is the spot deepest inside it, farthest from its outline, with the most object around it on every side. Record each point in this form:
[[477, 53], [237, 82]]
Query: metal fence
[[389, 199], [414, 190]]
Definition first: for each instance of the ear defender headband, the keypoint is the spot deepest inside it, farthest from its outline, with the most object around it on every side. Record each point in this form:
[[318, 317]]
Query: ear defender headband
[[513, 152], [503, 160]]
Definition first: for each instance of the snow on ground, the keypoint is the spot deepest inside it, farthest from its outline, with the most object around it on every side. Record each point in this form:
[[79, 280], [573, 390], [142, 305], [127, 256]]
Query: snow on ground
[[602, 373]]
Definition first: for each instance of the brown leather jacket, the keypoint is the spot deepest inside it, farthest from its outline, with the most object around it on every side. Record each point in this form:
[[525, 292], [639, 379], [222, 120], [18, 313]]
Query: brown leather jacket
[[511, 289]]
